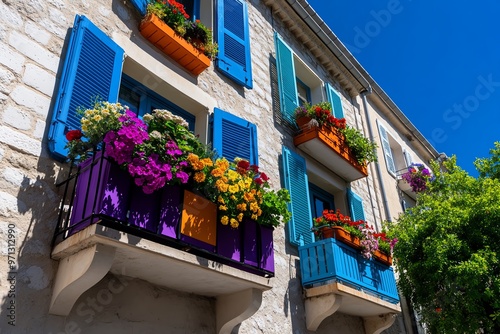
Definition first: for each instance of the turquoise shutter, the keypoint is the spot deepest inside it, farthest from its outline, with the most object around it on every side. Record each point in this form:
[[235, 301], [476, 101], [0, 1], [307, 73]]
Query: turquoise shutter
[[92, 68], [140, 5], [234, 41], [356, 206], [335, 101], [234, 137], [295, 177], [286, 79], [386, 146]]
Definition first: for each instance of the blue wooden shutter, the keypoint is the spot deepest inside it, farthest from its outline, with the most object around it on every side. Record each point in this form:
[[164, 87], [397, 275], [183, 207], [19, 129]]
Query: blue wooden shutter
[[92, 68], [234, 41], [356, 206], [140, 5], [295, 177], [335, 100], [386, 146], [286, 79], [234, 137]]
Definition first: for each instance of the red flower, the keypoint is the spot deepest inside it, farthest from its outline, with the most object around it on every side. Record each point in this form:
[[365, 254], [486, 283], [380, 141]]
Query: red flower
[[255, 168], [264, 176], [258, 181], [243, 164], [74, 135]]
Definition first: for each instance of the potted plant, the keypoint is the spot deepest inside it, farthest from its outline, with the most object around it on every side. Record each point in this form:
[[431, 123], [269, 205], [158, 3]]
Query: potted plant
[[357, 234], [417, 177], [319, 115], [195, 32]]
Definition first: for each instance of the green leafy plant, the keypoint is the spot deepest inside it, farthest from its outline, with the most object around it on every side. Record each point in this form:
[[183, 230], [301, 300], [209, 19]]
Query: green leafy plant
[[363, 149], [195, 32]]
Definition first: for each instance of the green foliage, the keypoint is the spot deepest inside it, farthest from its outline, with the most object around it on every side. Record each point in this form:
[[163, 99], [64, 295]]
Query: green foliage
[[448, 251], [490, 167], [363, 149]]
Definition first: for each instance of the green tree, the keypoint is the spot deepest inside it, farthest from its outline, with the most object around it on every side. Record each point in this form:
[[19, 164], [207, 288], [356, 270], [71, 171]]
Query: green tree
[[448, 252]]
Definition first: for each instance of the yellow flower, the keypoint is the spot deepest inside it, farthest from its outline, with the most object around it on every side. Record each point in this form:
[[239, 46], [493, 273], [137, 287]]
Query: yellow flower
[[221, 186], [198, 165], [97, 118], [254, 207], [240, 217], [224, 220], [254, 217], [234, 223], [259, 212], [242, 207], [232, 175], [234, 188], [233, 198], [217, 172], [207, 162], [221, 199], [223, 164], [241, 184], [222, 208], [199, 177], [249, 197]]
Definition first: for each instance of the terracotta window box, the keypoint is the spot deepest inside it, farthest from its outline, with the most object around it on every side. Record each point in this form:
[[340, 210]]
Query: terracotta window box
[[164, 38], [328, 146]]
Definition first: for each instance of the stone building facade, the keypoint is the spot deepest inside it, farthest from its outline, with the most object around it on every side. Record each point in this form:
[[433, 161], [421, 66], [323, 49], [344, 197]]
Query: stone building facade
[[106, 280]]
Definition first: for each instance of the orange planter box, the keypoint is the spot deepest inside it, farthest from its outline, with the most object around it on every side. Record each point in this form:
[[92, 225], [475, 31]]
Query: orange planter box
[[382, 257], [164, 38], [327, 145], [199, 218]]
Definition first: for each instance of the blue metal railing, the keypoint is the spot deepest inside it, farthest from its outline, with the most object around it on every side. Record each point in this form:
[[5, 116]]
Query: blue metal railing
[[332, 260]]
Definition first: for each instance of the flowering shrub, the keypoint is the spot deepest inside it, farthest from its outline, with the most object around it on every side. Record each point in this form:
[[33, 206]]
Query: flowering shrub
[[320, 114], [240, 190], [153, 150], [369, 240], [417, 177], [195, 32]]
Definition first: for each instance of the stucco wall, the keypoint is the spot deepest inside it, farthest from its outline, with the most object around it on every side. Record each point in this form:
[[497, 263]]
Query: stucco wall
[[32, 38]]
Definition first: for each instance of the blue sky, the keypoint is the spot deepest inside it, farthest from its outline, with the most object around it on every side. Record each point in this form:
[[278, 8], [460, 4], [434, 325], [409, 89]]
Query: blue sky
[[439, 61]]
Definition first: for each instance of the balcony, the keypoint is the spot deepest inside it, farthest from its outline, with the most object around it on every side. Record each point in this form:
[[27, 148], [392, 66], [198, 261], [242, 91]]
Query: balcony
[[336, 278], [406, 188], [170, 238], [328, 147], [173, 45]]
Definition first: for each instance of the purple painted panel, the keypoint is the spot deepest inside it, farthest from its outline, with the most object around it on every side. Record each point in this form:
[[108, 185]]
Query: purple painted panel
[[101, 188], [229, 242], [250, 239], [267, 250], [144, 209], [170, 211]]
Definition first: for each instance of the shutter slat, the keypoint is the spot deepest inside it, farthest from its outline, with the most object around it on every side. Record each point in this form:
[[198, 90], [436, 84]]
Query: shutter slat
[[295, 176], [356, 206], [335, 101], [286, 80], [234, 41], [386, 146], [140, 5], [234, 137], [84, 76]]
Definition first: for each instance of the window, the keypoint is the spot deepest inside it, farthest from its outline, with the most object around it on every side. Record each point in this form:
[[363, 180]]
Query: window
[[395, 159], [142, 100], [296, 81], [192, 8], [303, 93], [320, 200]]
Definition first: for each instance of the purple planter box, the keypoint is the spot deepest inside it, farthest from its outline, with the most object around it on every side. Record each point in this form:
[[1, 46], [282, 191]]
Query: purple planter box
[[101, 188], [251, 244]]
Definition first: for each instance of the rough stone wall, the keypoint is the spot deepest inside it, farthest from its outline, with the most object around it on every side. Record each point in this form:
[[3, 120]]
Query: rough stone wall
[[32, 38]]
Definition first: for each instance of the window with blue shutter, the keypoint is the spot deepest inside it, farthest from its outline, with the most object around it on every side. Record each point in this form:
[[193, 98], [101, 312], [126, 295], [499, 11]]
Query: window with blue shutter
[[286, 79], [386, 146], [140, 5], [234, 41], [234, 137], [355, 206], [335, 101], [295, 177], [92, 68]]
